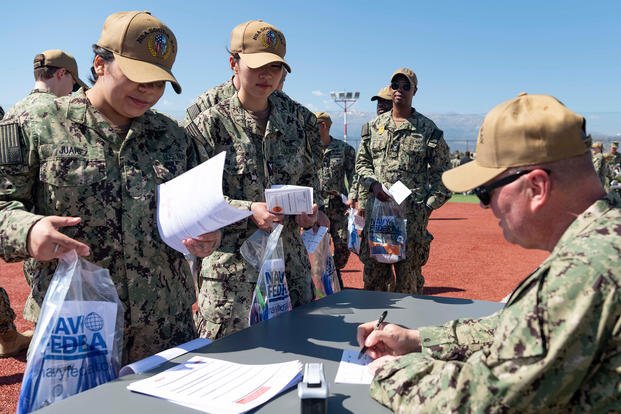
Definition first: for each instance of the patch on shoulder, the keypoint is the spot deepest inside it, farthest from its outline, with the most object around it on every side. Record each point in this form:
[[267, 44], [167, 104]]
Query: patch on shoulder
[[193, 111], [10, 145]]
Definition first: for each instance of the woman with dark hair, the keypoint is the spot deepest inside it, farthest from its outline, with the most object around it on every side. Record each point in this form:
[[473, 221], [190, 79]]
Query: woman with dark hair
[[89, 165], [265, 144]]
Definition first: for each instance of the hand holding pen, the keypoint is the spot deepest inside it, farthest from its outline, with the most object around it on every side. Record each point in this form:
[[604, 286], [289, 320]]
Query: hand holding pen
[[377, 325], [391, 339]]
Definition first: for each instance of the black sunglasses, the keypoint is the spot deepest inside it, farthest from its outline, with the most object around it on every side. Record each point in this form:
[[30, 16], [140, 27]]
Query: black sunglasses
[[484, 191], [395, 85]]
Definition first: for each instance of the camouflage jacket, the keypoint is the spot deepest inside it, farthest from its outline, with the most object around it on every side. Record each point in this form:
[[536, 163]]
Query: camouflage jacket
[[414, 153], [253, 162], [35, 97], [306, 118], [601, 168], [338, 166], [65, 159], [554, 348]]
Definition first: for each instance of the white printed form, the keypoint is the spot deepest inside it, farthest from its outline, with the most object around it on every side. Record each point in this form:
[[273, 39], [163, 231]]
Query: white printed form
[[353, 370], [215, 386], [193, 204], [399, 192], [289, 199]]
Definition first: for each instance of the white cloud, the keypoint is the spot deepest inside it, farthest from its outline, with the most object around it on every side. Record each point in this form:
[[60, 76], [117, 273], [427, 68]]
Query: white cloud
[[317, 93]]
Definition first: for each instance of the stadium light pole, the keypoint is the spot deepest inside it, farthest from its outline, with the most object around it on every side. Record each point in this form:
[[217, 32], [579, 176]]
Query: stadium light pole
[[345, 100]]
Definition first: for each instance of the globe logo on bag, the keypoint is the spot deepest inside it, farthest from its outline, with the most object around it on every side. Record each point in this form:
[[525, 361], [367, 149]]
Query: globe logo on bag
[[75, 336], [93, 321]]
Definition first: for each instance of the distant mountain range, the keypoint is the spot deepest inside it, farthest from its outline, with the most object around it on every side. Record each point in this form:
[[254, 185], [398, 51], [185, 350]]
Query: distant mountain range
[[460, 130]]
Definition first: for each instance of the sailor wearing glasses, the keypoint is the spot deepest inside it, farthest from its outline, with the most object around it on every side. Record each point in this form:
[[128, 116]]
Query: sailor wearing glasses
[[402, 145]]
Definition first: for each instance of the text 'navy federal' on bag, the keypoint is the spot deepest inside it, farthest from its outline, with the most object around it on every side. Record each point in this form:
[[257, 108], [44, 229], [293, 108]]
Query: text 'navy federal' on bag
[[77, 344]]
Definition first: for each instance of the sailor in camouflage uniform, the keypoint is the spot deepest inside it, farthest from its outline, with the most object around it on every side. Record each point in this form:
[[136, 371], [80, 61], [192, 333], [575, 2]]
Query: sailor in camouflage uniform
[[266, 144], [554, 348], [89, 164], [402, 145], [227, 89], [335, 177], [600, 164], [56, 74]]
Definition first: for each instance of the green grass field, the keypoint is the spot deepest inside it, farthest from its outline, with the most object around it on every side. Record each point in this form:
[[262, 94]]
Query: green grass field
[[461, 198]]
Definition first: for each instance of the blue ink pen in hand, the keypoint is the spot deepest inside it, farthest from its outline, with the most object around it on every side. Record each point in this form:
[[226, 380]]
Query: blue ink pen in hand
[[377, 325]]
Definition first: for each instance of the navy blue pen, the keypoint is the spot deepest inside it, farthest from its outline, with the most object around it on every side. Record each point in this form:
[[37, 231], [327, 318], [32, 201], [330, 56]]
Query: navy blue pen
[[377, 325]]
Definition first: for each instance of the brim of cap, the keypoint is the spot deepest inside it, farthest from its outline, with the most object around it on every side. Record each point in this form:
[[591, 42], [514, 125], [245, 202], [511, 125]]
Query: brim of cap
[[256, 60], [144, 72], [469, 176]]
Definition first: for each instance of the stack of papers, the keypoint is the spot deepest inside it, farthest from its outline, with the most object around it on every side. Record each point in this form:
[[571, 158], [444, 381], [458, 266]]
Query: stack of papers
[[215, 386], [193, 204], [289, 199], [150, 362]]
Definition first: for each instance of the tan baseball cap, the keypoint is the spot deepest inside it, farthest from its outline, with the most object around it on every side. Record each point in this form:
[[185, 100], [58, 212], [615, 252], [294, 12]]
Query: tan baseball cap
[[384, 93], [143, 46], [408, 73], [259, 43], [614, 144], [58, 59], [527, 130], [324, 117]]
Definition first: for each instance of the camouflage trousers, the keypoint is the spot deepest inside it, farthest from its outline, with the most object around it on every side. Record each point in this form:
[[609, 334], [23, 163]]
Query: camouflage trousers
[[156, 333], [338, 231], [7, 316], [404, 276], [227, 284]]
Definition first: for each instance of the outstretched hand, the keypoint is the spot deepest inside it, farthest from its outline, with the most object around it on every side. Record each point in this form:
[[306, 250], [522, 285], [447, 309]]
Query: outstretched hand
[[45, 242]]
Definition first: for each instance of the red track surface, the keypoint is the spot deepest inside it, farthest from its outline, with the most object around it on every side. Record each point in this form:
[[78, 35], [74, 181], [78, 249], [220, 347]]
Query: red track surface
[[469, 259]]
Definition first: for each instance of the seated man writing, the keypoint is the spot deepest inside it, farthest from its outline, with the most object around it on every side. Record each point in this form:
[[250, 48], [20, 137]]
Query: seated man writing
[[556, 345]]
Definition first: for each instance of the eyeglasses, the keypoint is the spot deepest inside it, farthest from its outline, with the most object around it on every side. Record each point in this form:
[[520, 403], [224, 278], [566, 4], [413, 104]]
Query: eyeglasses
[[484, 192], [404, 85]]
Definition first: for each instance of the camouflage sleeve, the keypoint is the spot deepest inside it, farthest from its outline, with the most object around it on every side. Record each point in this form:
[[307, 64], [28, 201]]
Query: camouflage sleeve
[[458, 339], [311, 129], [350, 166], [208, 131], [439, 161], [364, 160], [544, 347], [598, 162], [353, 187], [18, 172]]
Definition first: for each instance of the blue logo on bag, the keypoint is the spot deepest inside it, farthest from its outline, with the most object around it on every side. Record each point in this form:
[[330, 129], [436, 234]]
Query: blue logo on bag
[[93, 321], [275, 280], [70, 339]]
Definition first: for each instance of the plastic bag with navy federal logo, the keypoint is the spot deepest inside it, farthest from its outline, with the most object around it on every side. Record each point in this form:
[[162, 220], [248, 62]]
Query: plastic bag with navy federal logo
[[387, 232], [78, 341], [271, 293], [323, 272], [355, 225]]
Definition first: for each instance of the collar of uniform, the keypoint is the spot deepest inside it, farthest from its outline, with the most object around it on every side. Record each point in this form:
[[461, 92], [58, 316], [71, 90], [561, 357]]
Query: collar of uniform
[[596, 210], [588, 216], [37, 90], [151, 120], [275, 123], [405, 125], [76, 106]]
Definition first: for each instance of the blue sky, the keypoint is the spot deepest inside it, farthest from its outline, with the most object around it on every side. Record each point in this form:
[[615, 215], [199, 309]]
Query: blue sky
[[468, 55]]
